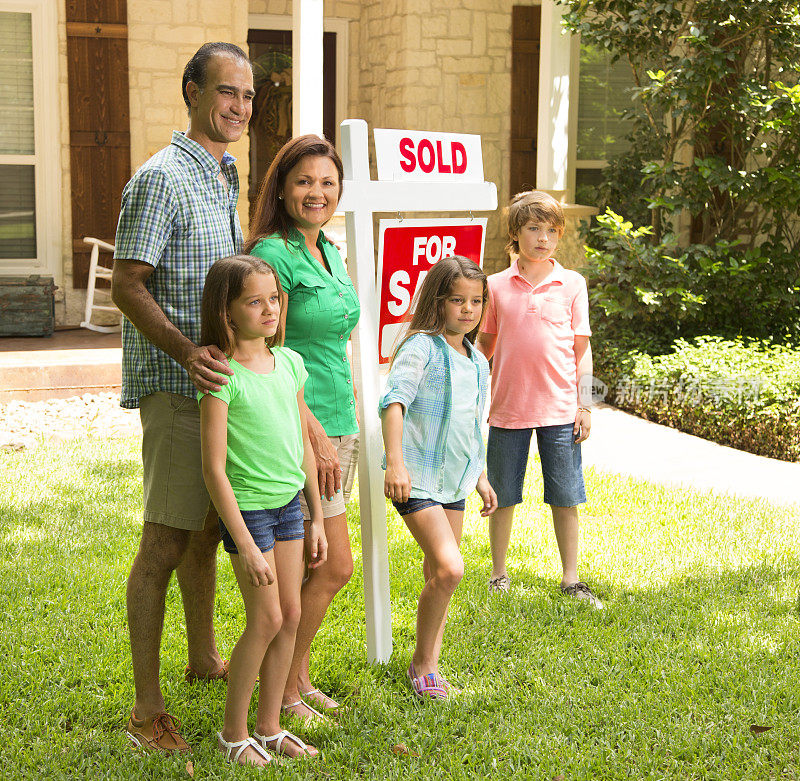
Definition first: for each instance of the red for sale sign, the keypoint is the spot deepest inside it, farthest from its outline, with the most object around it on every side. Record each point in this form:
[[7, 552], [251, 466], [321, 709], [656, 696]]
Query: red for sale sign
[[407, 250]]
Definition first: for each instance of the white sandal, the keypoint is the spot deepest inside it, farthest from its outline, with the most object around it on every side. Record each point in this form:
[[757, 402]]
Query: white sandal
[[279, 737], [317, 715], [242, 745]]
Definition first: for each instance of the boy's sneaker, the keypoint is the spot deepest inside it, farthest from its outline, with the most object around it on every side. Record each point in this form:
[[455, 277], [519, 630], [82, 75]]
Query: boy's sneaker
[[499, 585], [580, 590]]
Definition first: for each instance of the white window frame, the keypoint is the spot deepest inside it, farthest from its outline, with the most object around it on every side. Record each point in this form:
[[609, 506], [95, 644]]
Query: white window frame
[[330, 25], [47, 143]]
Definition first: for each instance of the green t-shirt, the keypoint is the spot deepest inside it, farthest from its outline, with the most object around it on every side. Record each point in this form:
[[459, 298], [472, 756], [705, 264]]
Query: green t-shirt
[[323, 309], [265, 441]]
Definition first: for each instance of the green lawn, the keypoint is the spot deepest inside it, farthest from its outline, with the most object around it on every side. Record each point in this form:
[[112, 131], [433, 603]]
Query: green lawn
[[699, 641]]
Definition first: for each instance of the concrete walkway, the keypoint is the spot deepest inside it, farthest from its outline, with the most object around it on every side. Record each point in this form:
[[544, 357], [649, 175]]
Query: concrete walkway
[[71, 363], [628, 445]]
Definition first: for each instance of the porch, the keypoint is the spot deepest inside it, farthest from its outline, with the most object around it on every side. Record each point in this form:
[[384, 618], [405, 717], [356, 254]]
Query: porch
[[68, 363]]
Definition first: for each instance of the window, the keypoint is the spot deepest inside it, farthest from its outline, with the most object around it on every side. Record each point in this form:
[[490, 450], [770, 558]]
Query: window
[[28, 140], [603, 97]]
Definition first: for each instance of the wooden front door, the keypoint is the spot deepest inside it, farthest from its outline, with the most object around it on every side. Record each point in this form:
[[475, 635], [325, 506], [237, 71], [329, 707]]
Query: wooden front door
[[99, 121], [271, 123], [525, 43]]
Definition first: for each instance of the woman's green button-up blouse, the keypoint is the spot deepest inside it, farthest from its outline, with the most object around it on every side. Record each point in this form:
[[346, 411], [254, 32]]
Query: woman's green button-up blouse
[[323, 309]]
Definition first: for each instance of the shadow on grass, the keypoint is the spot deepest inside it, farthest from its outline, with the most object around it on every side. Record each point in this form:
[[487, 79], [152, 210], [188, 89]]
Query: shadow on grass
[[664, 683]]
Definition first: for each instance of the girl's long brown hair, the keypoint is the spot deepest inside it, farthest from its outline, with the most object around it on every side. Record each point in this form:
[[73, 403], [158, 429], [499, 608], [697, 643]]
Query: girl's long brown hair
[[224, 283], [269, 215], [428, 305]]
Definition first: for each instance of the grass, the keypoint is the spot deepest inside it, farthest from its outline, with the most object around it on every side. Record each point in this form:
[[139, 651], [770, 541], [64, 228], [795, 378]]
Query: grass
[[699, 641]]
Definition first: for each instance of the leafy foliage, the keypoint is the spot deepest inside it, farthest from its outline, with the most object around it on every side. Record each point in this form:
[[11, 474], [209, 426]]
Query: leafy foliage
[[746, 395], [721, 104], [713, 169], [657, 292]]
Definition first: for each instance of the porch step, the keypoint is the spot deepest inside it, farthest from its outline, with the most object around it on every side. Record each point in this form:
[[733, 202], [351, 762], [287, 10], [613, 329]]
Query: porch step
[[67, 364]]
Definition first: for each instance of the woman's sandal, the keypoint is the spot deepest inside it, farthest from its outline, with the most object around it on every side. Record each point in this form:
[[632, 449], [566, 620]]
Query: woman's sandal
[[333, 710], [427, 687], [242, 745], [279, 738], [314, 716]]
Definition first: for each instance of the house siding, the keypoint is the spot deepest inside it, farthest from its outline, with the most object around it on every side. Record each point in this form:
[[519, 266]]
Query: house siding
[[411, 64]]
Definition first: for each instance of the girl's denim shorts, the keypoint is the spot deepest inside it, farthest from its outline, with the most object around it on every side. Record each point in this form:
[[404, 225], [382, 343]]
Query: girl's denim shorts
[[415, 505], [266, 526], [562, 468]]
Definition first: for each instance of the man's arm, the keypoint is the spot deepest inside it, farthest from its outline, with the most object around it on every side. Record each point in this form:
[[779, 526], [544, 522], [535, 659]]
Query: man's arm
[[205, 365]]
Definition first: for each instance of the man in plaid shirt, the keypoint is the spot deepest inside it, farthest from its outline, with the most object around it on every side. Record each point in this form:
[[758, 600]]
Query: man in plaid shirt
[[178, 216]]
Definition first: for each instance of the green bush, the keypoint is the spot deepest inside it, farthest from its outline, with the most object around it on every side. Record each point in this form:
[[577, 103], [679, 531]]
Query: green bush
[[660, 292], [714, 152], [745, 395]]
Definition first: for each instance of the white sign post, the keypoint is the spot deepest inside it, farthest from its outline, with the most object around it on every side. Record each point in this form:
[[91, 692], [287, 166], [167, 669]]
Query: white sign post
[[420, 183]]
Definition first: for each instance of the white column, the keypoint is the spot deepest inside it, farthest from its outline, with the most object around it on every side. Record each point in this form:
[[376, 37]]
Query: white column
[[553, 126], [307, 18]]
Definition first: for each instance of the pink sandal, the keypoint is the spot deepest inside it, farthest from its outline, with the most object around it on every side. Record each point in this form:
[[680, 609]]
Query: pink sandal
[[430, 686]]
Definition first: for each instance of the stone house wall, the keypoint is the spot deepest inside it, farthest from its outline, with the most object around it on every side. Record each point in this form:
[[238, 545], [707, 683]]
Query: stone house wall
[[411, 64]]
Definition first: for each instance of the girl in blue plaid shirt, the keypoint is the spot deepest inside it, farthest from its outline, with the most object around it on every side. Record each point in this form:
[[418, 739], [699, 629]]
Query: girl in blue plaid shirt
[[434, 447]]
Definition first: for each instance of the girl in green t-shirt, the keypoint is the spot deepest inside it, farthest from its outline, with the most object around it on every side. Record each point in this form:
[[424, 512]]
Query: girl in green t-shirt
[[256, 459]]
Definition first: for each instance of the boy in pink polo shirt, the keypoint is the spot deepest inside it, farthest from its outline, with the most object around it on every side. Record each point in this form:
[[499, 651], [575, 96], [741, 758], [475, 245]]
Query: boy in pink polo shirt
[[537, 329]]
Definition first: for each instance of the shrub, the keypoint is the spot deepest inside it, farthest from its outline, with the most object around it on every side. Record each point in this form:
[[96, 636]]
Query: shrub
[[715, 151], [659, 292], [745, 395]]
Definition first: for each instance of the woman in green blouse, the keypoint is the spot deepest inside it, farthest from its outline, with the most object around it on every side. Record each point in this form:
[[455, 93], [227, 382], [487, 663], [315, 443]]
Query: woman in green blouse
[[299, 194]]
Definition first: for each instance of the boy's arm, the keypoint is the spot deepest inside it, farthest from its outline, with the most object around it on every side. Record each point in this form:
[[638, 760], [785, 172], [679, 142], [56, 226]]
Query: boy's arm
[[214, 448], [486, 344], [397, 483], [584, 369], [315, 541]]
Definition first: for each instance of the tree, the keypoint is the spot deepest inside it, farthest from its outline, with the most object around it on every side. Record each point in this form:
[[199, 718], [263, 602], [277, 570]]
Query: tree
[[716, 137]]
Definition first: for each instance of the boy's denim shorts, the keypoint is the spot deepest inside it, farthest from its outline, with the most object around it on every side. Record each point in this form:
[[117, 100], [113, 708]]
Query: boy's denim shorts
[[562, 471], [266, 526], [414, 505]]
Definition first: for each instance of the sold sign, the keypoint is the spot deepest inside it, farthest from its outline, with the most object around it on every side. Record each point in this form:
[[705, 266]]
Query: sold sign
[[408, 249], [415, 155]]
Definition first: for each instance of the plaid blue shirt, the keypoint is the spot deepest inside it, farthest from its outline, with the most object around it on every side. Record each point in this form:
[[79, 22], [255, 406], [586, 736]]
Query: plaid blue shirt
[[420, 380], [177, 216]]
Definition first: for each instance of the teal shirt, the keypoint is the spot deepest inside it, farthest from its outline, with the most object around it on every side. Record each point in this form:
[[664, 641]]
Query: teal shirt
[[461, 445], [323, 309], [423, 379]]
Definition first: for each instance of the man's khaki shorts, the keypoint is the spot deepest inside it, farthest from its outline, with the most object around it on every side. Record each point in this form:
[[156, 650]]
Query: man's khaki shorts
[[174, 491], [347, 450]]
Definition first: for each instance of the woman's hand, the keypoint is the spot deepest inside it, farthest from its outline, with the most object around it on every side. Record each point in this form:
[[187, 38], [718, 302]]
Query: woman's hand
[[329, 472], [486, 492], [397, 483], [583, 425], [256, 567], [316, 544]]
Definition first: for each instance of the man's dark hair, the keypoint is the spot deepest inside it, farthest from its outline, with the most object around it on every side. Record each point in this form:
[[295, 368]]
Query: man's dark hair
[[197, 67]]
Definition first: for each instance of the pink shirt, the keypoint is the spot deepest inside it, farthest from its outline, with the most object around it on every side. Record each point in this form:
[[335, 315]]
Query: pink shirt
[[534, 373]]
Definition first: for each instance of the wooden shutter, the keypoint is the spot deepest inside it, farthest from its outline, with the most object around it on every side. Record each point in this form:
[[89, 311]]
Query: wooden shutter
[[525, 43], [99, 121]]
